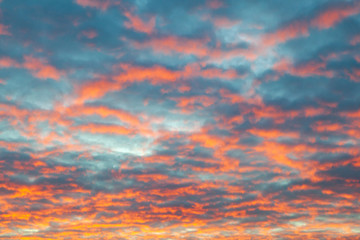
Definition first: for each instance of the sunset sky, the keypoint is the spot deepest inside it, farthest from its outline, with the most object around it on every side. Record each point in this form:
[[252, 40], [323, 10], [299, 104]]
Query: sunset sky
[[180, 119]]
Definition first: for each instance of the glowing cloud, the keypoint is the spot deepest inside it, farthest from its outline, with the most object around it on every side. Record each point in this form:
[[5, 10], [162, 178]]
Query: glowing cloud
[[151, 119]]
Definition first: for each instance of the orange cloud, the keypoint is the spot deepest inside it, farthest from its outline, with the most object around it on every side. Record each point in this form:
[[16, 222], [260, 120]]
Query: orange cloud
[[158, 74], [273, 133], [130, 74], [39, 68], [353, 114], [324, 20], [172, 44], [207, 140], [229, 97], [94, 90], [197, 47], [195, 102], [310, 112], [303, 70], [279, 153], [326, 127], [136, 23], [103, 111], [278, 115], [155, 75], [8, 62], [103, 129], [293, 30]]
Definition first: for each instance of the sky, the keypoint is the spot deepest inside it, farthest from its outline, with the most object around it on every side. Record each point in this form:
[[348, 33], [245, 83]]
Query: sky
[[179, 119]]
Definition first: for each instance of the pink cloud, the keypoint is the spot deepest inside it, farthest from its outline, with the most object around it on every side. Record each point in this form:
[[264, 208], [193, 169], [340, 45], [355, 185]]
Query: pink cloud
[[89, 34], [39, 68], [4, 30], [293, 30], [223, 22], [303, 70], [332, 16], [8, 62], [214, 4], [355, 40], [137, 24], [326, 19], [100, 4], [171, 44]]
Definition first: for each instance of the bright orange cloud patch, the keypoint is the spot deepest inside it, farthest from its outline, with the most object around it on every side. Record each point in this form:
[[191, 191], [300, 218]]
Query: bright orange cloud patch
[[39, 68]]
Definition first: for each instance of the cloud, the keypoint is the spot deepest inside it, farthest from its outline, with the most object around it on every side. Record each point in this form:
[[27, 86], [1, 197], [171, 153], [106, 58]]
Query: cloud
[[303, 70], [300, 28], [334, 15], [39, 68], [136, 23], [7, 62], [4, 30], [100, 4], [90, 34], [179, 120]]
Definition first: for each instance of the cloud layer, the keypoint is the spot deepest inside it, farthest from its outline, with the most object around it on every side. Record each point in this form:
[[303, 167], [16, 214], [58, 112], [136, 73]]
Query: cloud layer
[[179, 119]]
